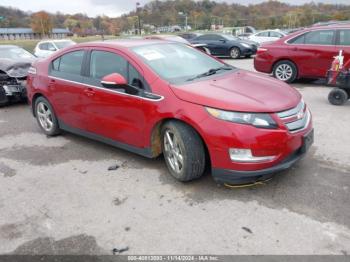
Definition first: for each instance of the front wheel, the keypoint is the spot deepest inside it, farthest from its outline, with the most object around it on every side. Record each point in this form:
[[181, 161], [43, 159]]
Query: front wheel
[[46, 117], [183, 151], [285, 71], [235, 53], [337, 97]]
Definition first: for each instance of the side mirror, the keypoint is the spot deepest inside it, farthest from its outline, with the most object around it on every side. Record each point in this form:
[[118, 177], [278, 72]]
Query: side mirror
[[223, 40], [113, 80]]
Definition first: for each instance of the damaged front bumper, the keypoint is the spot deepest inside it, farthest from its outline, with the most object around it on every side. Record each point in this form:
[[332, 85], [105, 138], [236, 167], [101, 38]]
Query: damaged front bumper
[[13, 92]]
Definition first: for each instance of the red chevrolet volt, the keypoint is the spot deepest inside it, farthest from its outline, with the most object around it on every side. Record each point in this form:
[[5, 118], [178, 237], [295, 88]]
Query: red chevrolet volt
[[155, 97]]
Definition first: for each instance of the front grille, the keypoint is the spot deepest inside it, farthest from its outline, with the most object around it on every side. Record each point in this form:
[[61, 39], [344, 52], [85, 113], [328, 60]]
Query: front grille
[[297, 118]]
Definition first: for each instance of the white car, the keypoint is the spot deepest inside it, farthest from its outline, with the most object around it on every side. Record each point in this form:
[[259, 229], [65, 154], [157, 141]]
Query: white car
[[266, 36], [47, 47]]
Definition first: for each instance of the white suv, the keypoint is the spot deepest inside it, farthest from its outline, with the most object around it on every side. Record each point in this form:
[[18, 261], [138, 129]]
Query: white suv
[[47, 47]]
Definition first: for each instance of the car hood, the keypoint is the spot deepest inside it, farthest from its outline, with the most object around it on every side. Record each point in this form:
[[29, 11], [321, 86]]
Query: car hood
[[249, 42], [240, 91], [16, 67]]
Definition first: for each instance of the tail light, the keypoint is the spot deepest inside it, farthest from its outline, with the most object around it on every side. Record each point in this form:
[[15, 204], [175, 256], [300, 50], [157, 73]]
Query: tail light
[[261, 50]]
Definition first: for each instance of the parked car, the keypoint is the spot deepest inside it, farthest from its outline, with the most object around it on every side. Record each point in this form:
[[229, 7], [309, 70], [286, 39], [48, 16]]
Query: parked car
[[154, 97], [304, 54], [14, 65], [266, 36], [226, 45], [175, 38], [47, 47]]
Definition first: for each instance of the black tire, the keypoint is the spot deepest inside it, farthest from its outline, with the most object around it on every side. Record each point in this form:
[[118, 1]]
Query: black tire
[[54, 130], [235, 52], [190, 147], [291, 69], [338, 97], [248, 56]]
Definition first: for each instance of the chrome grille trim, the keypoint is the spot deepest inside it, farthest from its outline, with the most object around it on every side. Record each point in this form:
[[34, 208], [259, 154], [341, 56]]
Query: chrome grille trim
[[297, 118]]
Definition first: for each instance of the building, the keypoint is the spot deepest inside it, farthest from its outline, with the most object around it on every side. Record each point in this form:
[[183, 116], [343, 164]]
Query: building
[[27, 33]]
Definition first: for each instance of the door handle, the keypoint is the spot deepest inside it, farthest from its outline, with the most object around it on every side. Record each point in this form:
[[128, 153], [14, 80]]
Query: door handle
[[89, 91], [295, 49]]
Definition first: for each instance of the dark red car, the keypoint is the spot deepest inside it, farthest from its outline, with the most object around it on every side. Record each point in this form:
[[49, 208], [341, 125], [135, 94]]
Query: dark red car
[[304, 54], [154, 97]]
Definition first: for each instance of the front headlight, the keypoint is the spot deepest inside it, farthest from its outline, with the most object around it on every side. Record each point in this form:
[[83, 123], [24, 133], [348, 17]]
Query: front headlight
[[245, 45], [260, 120]]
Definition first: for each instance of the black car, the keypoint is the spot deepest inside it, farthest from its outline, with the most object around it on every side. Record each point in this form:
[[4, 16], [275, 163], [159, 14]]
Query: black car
[[227, 45], [14, 65]]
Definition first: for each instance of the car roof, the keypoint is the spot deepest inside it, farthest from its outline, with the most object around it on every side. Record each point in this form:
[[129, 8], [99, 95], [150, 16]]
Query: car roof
[[54, 40], [124, 43]]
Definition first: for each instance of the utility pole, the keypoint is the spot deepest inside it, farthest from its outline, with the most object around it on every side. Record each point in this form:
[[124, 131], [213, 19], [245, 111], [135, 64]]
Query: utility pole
[[186, 19], [138, 17]]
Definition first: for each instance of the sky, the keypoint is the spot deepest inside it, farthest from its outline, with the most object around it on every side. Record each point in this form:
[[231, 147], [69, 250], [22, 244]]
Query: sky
[[113, 7]]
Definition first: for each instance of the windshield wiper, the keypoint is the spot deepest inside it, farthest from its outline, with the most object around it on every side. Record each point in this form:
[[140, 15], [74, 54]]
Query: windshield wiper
[[210, 72]]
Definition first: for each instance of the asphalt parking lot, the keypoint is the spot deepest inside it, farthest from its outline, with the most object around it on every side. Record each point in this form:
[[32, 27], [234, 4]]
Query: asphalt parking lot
[[58, 197]]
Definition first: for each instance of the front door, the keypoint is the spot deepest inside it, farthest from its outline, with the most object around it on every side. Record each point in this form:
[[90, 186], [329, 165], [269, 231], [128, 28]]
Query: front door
[[113, 113]]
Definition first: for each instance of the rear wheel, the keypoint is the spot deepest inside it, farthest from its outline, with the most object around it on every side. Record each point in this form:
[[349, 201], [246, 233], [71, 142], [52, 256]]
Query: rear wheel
[[46, 117], [337, 97], [285, 71], [235, 53], [183, 151]]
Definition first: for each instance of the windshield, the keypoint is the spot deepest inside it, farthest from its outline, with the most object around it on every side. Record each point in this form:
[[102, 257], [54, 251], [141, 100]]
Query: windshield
[[176, 63], [63, 44], [14, 53]]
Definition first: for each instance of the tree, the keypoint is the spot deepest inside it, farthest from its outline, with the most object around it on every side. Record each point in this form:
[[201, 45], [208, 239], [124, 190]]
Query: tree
[[41, 23]]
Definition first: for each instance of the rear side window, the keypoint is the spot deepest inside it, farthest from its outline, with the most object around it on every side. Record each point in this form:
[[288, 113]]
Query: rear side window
[[263, 34], [297, 40], [104, 63], [344, 37], [209, 37], [69, 63], [43, 46], [275, 34], [324, 37]]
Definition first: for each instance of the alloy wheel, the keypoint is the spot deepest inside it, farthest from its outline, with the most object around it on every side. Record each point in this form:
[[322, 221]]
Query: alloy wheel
[[45, 116], [284, 72], [173, 153], [234, 53]]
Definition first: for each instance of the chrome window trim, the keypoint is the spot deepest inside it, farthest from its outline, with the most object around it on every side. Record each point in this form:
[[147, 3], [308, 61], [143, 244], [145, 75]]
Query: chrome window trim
[[111, 91]]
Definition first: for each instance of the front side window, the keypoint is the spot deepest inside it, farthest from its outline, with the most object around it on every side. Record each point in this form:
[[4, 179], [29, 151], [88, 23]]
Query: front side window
[[177, 63], [321, 37], [208, 37], [344, 37], [69, 63], [104, 63]]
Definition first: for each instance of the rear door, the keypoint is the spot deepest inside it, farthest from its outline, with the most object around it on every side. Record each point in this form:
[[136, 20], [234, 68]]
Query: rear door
[[343, 43], [66, 87], [313, 52]]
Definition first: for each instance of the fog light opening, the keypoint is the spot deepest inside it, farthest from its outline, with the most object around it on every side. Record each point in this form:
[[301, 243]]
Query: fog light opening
[[245, 155]]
